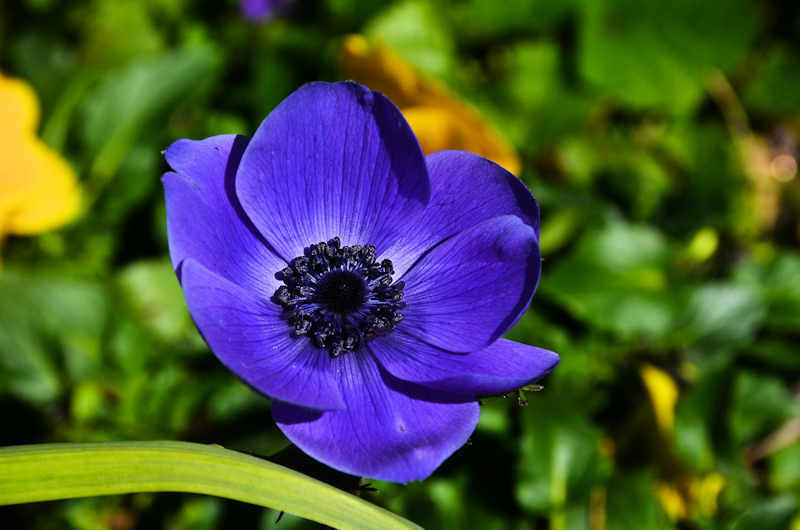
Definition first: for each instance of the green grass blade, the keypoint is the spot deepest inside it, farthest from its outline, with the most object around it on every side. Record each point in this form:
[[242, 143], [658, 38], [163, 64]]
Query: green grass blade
[[30, 473]]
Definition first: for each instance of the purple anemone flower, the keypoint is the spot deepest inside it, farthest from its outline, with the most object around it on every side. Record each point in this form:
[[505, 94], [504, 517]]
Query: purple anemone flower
[[262, 10], [360, 285]]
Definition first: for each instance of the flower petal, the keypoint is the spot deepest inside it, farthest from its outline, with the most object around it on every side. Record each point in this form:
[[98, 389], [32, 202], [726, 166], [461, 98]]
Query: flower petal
[[19, 107], [258, 10], [204, 220], [465, 190], [499, 368], [333, 159], [469, 290], [390, 430], [38, 189], [248, 335], [49, 198]]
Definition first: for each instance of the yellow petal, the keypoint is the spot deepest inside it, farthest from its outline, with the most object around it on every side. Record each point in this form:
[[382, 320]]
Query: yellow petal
[[18, 107], [439, 119], [663, 395], [691, 496], [705, 492], [439, 128], [672, 501], [38, 189], [383, 70], [52, 200], [20, 111]]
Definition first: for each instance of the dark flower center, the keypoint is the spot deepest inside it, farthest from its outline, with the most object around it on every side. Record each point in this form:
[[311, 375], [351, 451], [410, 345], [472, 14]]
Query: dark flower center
[[341, 291], [340, 297]]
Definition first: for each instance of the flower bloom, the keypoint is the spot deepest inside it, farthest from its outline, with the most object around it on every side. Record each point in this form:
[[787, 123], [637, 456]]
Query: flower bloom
[[38, 189], [360, 285], [262, 10], [438, 118]]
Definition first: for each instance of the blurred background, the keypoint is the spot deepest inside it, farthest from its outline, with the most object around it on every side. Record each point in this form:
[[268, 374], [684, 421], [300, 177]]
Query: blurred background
[[661, 139]]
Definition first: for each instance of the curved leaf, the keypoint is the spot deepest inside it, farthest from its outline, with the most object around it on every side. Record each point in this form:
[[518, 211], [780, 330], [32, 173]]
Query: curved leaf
[[30, 473]]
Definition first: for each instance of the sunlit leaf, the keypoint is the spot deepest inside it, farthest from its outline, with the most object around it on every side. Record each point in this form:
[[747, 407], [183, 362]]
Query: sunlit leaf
[[615, 279], [658, 54], [774, 514], [128, 99], [151, 290], [413, 29], [759, 403], [62, 471]]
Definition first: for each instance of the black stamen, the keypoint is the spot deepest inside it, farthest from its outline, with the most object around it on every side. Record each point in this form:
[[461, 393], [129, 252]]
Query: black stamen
[[339, 296]]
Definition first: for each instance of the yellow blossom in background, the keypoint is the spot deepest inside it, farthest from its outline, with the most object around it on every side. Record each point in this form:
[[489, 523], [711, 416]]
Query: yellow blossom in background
[[38, 188], [691, 498], [705, 491], [672, 501], [439, 119], [687, 496], [663, 394]]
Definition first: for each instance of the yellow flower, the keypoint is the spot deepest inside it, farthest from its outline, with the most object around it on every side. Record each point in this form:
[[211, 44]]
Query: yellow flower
[[38, 189], [663, 395], [672, 501], [705, 492], [439, 119], [691, 497]]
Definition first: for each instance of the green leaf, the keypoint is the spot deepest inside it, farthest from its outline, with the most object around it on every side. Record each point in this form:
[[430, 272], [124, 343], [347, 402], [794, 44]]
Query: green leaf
[[722, 315], [697, 411], [657, 54], [784, 468], [151, 291], [772, 90], [760, 403], [534, 69], [777, 283], [198, 514], [485, 19], [632, 176], [106, 20], [533, 86], [46, 61], [632, 504], [32, 473], [128, 99], [712, 191], [559, 458], [781, 355], [773, 514], [615, 279], [562, 225], [48, 317], [415, 31]]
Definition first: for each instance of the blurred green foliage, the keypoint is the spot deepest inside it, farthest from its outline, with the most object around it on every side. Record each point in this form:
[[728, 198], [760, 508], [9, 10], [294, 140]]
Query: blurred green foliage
[[648, 131]]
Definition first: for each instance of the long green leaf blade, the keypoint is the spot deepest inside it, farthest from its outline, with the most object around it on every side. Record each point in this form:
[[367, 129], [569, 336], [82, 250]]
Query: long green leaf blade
[[30, 473]]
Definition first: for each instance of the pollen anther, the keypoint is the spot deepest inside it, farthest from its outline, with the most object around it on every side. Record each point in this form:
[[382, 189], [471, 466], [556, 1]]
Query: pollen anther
[[339, 297]]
